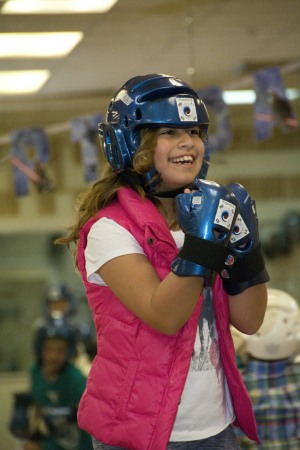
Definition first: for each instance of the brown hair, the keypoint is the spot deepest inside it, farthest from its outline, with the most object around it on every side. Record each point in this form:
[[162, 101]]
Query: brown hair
[[103, 191]]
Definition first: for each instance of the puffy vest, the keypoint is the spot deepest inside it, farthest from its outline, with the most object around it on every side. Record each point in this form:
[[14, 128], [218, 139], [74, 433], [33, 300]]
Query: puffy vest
[[137, 378]]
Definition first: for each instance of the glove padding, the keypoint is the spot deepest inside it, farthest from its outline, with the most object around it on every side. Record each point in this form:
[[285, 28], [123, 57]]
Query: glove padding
[[249, 268], [207, 217]]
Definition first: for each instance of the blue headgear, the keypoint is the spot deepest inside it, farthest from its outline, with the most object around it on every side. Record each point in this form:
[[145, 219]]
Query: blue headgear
[[55, 328], [154, 100]]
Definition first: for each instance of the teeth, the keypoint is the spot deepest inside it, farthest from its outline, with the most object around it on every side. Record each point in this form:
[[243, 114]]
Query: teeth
[[183, 159]]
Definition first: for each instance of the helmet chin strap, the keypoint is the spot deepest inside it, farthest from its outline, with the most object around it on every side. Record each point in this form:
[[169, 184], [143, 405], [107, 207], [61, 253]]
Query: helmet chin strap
[[168, 194], [174, 192], [132, 178]]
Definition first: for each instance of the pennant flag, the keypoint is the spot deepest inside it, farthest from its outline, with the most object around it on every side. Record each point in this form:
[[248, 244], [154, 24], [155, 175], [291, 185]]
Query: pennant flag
[[85, 130], [30, 154], [222, 136], [271, 106]]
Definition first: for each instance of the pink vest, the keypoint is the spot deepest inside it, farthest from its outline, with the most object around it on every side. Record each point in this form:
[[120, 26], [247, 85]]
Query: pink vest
[[137, 378]]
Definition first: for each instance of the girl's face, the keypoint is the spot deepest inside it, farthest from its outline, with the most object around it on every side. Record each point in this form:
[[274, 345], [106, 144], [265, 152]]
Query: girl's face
[[178, 156]]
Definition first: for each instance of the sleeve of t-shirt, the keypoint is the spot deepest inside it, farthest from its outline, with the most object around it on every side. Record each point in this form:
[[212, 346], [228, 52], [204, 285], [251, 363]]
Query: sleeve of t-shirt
[[107, 240]]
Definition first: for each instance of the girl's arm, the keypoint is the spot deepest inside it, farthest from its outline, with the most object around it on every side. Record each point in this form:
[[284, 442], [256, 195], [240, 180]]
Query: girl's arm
[[247, 309], [164, 305]]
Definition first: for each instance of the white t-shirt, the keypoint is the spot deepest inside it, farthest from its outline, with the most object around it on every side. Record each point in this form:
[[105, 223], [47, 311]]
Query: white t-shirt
[[205, 408]]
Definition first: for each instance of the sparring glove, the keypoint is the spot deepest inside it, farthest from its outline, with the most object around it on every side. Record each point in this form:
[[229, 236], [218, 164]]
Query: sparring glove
[[249, 268], [206, 216]]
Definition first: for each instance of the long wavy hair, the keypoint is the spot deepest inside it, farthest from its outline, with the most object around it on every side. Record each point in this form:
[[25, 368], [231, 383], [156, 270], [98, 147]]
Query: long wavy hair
[[103, 191]]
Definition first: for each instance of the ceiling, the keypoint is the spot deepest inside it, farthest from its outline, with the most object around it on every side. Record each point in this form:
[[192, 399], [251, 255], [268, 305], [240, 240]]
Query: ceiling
[[225, 42]]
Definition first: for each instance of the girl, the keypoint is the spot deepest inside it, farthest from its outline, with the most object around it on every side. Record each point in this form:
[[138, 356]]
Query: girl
[[165, 373]]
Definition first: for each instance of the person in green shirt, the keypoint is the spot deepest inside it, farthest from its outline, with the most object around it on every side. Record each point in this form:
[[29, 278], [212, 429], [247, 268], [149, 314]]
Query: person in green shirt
[[56, 388]]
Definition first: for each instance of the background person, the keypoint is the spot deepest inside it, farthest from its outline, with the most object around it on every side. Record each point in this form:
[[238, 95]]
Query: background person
[[272, 377], [56, 386], [59, 301]]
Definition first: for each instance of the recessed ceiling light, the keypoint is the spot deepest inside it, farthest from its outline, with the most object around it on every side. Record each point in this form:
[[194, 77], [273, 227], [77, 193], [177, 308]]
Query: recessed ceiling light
[[38, 45], [22, 81], [57, 6]]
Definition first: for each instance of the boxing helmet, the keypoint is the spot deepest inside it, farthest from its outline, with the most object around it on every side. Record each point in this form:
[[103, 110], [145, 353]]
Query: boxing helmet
[[154, 100], [55, 327], [278, 337]]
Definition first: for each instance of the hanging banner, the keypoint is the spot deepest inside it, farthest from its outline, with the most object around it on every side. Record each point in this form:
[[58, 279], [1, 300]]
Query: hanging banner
[[222, 136], [271, 106], [30, 154], [85, 130]]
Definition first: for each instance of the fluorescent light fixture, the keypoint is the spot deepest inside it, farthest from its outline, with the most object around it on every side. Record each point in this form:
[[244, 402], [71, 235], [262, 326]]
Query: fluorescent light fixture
[[57, 6], [239, 97], [247, 97], [22, 81], [38, 45]]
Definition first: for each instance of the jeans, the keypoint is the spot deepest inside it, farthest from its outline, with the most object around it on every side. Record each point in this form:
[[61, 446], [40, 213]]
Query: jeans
[[226, 440]]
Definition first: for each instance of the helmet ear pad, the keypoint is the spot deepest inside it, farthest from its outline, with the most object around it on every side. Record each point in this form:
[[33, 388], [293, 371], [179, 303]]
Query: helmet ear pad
[[114, 146]]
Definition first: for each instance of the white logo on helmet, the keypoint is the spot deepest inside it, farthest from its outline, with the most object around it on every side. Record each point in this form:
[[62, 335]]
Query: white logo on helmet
[[125, 98], [186, 109]]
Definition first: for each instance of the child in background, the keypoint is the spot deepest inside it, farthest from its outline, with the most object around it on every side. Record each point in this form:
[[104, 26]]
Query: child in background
[[272, 377], [60, 301], [56, 388]]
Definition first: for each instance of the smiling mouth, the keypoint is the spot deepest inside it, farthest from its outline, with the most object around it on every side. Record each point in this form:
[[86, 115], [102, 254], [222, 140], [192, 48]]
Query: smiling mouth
[[183, 160]]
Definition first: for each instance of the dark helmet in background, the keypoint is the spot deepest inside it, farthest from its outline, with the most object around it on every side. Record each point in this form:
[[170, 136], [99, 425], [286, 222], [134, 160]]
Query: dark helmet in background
[[154, 100], [56, 327]]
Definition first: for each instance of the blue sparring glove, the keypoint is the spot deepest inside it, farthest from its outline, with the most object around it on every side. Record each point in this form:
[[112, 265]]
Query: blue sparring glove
[[249, 268], [206, 216]]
